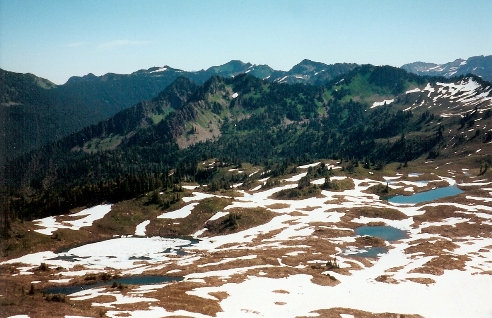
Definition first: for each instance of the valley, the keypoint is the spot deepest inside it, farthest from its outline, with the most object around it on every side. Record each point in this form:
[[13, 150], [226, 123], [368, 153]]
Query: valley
[[245, 159], [363, 195]]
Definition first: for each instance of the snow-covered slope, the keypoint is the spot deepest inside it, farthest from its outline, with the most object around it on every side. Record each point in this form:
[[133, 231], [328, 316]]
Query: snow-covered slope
[[454, 98], [477, 65]]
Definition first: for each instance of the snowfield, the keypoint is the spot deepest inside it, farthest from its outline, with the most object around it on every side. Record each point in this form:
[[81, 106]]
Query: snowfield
[[455, 98], [280, 268], [88, 216]]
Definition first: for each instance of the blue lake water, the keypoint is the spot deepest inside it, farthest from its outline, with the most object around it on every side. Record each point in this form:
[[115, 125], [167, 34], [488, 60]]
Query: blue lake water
[[387, 233], [427, 195], [132, 280]]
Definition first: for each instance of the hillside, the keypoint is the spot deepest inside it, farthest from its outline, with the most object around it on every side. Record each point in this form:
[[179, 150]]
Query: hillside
[[34, 111], [375, 183], [373, 115], [26, 115]]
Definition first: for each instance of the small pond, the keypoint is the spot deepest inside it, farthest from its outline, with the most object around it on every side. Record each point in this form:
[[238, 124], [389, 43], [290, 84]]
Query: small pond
[[132, 280], [427, 195], [387, 233]]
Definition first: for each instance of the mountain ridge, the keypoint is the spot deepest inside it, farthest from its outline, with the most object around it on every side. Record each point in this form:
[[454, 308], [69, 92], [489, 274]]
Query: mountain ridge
[[478, 65], [88, 99], [54, 111], [372, 115]]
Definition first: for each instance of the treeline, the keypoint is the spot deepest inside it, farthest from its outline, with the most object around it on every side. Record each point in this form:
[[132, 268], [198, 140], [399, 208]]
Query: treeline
[[280, 123]]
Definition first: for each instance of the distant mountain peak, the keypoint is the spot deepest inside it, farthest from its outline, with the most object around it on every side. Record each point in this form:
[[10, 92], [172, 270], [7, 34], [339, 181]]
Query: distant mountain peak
[[478, 65], [83, 78], [233, 67]]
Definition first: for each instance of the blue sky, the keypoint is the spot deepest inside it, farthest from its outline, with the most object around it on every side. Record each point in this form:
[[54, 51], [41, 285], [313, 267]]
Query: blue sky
[[56, 39]]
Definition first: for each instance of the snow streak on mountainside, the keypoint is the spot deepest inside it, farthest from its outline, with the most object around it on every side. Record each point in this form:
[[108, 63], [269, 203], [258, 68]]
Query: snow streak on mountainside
[[477, 65]]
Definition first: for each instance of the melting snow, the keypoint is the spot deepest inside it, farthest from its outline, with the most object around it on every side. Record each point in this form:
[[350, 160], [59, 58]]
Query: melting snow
[[154, 311], [140, 230], [296, 177], [90, 215], [282, 79], [118, 253], [161, 69], [190, 187], [415, 90], [309, 165], [218, 215], [179, 214], [466, 293], [359, 291], [384, 102]]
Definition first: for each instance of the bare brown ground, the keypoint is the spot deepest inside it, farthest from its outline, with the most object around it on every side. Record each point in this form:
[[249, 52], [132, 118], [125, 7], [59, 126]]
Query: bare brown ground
[[422, 280], [278, 206], [437, 213], [335, 313], [363, 241], [429, 248], [373, 212], [461, 230], [273, 261], [174, 297]]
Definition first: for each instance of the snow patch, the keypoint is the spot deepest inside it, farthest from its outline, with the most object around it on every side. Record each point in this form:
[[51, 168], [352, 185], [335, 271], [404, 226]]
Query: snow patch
[[415, 90], [90, 215], [384, 102], [179, 214], [309, 165], [218, 215], [140, 230], [161, 69], [189, 187], [282, 79], [296, 177]]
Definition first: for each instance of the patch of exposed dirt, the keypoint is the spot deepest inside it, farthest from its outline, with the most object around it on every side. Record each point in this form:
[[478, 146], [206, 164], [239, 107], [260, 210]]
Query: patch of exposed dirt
[[335, 313], [278, 206], [422, 280], [238, 219], [431, 247], [461, 230], [437, 213], [363, 241]]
